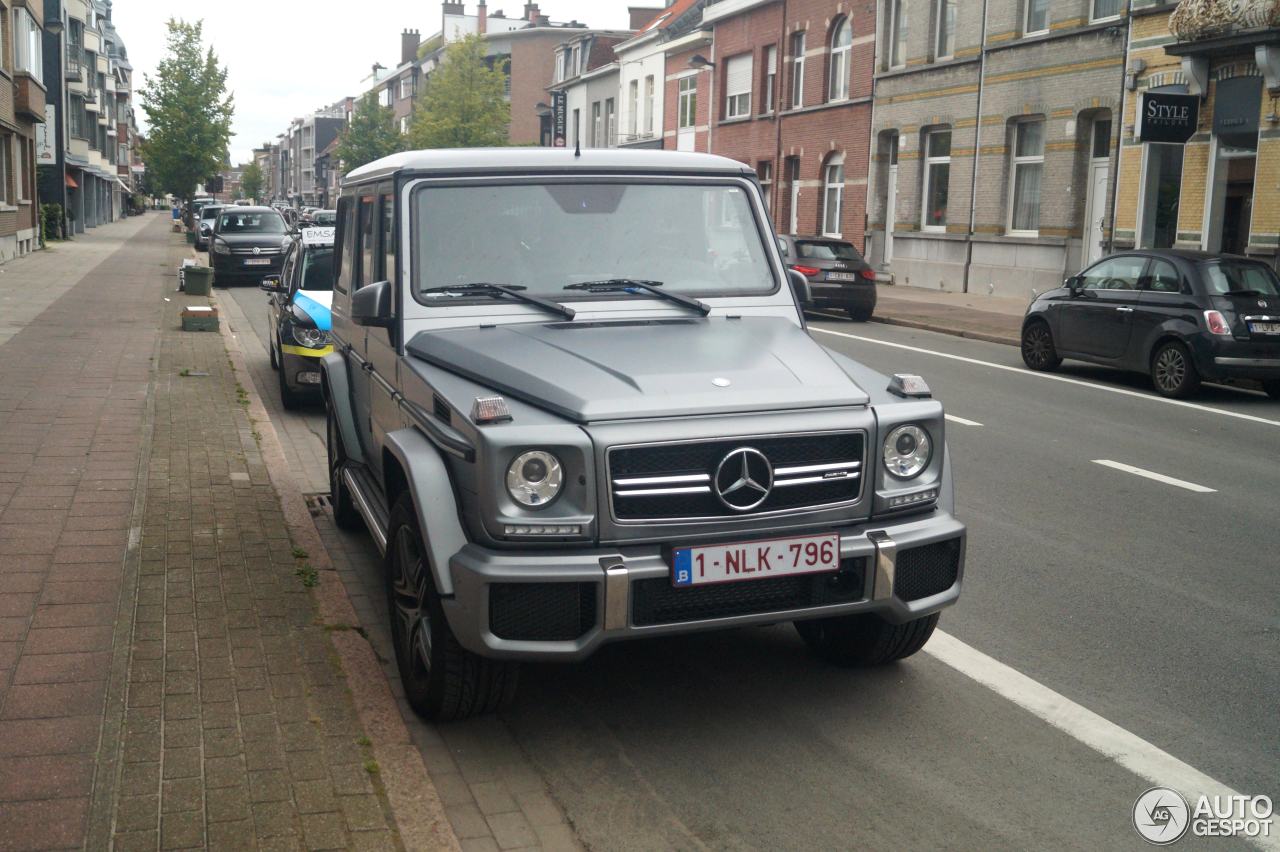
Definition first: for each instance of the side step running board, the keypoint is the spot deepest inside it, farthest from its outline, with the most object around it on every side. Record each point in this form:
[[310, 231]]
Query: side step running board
[[368, 500]]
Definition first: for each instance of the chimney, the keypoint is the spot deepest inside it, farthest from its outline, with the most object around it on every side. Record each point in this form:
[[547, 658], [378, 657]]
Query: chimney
[[409, 41], [482, 14], [531, 12], [542, 21], [641, 15]]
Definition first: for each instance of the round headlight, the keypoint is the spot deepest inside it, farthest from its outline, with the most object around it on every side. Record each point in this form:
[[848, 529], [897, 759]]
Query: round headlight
[[535, 478], [312, 338], [907, 451]]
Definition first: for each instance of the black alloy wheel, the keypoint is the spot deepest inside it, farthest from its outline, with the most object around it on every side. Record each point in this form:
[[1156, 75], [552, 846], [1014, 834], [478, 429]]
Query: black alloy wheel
[[442, 680], [273, 346], [345, 514], [1173, 373], [1038, 351]]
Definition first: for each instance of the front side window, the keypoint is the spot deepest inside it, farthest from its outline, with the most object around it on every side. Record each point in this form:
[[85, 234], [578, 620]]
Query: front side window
[[797, 70], [1037, 17], [841, 46], [548, 236], [833, 198], [317, 269], [897, 33], [1104, 9], [737, 103], [688, 103], [937, 179], [251, 223], [1117, 273], [946, 24], [1028, 170]]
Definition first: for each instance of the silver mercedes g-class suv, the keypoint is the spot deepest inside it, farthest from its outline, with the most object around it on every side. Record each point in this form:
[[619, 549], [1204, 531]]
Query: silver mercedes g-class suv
[[573, 398]]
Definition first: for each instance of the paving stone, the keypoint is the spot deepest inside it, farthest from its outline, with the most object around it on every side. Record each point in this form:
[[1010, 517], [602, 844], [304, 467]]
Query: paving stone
[[512, 830], [324, 831], [181, 831], [227, 804]]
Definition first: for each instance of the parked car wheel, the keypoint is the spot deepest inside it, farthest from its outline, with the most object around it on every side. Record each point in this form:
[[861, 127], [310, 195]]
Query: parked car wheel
[[289, 398], [275, 359], [865, 640], [1038, 351], [1272, 388], [345, 514], [442, 680], [1173, 373], [861, 314]]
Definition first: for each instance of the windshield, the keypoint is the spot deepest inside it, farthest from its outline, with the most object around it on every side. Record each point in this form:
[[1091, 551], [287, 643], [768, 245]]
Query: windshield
[[317, 269], [210, 212], [700, 239], [251, 223], [325, 217], [1229, 276], [812, 250]]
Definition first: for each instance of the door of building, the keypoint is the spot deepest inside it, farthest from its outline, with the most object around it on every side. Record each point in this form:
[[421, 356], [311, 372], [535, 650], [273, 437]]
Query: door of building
[[890, 215], [1096, 211]]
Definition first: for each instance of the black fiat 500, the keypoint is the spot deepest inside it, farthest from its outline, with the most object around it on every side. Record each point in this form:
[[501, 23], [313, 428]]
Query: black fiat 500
[[1179, 316]]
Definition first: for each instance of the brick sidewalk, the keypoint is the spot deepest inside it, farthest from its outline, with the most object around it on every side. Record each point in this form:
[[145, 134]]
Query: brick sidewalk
[[991, 318], [165, 681]]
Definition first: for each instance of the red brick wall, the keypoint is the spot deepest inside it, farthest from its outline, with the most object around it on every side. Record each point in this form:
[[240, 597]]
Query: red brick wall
[[678, 63], [533, 60], [819, 130]]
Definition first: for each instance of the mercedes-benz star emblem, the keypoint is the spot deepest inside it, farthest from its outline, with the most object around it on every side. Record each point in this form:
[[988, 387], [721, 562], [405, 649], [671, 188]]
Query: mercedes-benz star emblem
[[257, 250], [1262, 303], [744, 479]]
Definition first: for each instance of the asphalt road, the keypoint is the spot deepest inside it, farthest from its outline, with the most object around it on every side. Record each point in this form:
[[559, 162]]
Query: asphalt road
[[1154, 606]]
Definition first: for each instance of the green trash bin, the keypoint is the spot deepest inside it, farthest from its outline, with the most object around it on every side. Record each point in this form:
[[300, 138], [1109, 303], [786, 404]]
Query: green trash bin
[[191, 238], [197, 280]]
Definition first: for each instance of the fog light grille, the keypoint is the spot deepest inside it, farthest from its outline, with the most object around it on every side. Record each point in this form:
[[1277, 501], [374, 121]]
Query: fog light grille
[[542, 612], [924, 571]]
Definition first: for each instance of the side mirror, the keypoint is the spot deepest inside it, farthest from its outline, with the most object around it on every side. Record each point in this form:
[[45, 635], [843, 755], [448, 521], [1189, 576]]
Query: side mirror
[[272, 284], [800, 286], [371, 306], [1075, 284]]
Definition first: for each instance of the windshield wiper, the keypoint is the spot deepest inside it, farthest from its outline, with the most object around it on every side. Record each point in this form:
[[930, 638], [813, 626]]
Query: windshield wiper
[[630, 285], [498, 291]]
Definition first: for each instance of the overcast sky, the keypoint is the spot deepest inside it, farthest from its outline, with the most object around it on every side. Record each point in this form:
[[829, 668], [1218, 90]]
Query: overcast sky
[[288, 58]]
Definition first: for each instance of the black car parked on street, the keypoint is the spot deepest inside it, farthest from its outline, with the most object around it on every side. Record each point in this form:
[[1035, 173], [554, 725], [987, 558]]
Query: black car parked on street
[[1179, 316], [248, 244], [838, 276]]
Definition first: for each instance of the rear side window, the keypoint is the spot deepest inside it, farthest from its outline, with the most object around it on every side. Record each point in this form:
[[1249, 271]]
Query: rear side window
[[826, 250]]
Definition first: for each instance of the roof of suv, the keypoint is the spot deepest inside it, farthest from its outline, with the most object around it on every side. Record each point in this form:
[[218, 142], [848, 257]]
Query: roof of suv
[[548, 159]]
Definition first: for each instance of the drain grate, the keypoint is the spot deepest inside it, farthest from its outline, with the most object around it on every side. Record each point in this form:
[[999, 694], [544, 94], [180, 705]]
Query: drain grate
[[318, 504]]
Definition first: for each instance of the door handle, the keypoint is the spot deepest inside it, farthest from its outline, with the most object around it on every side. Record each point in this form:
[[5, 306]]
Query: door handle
[[1125, 310]]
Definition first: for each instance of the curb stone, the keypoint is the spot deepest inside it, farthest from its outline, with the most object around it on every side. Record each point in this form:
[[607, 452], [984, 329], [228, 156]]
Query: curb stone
[[943, 329], [415, 802]]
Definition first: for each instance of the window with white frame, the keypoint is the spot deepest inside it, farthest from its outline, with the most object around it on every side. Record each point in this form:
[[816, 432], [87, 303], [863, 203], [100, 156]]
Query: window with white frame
[[770, 77], [406, 87], [1028, 171], [765, 171], [838, 67], [6, 168], [648, 104], [797, 70], [937, 179], [897, 33], [737, 87], [945, 45], [22, 168], [687, 106], [610, 124], [405, 121], [1102, 10], [384, 96], [1037, 20], [596, 125], [833, 196], [633, 109], [28, 39]]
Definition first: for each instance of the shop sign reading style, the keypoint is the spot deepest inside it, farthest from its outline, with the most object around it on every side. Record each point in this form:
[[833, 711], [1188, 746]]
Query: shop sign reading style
[[1168, 117]]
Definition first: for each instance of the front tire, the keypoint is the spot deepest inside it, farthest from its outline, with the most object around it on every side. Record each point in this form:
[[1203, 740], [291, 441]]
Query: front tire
[[1173, 373], [275, 359], [345, 514], [289, 398], [442, 680], [861, 314], [1038, 351], [865, 640]]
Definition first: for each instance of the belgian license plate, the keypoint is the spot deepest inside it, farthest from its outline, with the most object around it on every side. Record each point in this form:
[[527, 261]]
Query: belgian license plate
[[258, 261], [755, 560], [841, 276], [1264, 327]]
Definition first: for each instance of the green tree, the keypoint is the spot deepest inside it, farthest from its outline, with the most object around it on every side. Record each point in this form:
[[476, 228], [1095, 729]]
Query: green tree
[[251, 181], [370, 136], [188, 111], [464, 105]]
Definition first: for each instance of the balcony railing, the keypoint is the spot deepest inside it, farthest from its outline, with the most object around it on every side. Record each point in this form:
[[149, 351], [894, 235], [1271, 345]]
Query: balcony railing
[[1202, 19], [75, 68]]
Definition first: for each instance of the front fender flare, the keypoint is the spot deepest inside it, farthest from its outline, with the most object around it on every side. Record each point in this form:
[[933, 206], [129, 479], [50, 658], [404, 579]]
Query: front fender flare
[[336, 385], [433, 500]]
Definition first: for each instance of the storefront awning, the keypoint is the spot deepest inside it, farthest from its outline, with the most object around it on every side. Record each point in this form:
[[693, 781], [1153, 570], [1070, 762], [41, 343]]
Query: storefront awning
[[71, 183], [124, 186]]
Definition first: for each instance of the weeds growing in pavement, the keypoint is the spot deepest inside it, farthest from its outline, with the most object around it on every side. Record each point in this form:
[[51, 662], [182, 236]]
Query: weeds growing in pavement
[[371, 766], [364, 741], [299, 553], [310, 576], [185, 372]]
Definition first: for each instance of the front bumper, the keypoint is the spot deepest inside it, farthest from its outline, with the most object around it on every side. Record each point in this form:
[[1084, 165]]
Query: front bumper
[[301, 367], [228, 268], [563, 605]]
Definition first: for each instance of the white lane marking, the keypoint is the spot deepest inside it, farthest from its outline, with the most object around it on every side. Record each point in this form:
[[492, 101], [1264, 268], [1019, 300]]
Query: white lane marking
[[1107, 738], [1158, 477], [1051, 377], [962, 421]]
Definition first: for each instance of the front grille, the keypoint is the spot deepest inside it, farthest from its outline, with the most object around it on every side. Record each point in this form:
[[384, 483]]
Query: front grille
[[924, 571], [656, 601], [262, 251], [677, 481], [542, 612]]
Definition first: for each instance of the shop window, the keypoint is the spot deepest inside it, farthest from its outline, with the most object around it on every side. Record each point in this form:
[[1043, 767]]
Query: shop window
[[1028, 174], [1161, 194], [937, 179]]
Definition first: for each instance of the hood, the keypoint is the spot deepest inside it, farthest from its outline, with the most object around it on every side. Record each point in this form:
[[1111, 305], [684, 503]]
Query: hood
[[315, 305], [592, 371]]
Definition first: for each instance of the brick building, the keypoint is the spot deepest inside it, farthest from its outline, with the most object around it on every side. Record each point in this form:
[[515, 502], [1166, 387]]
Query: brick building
[[1208, 193], [791, 97], [993, 153]]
